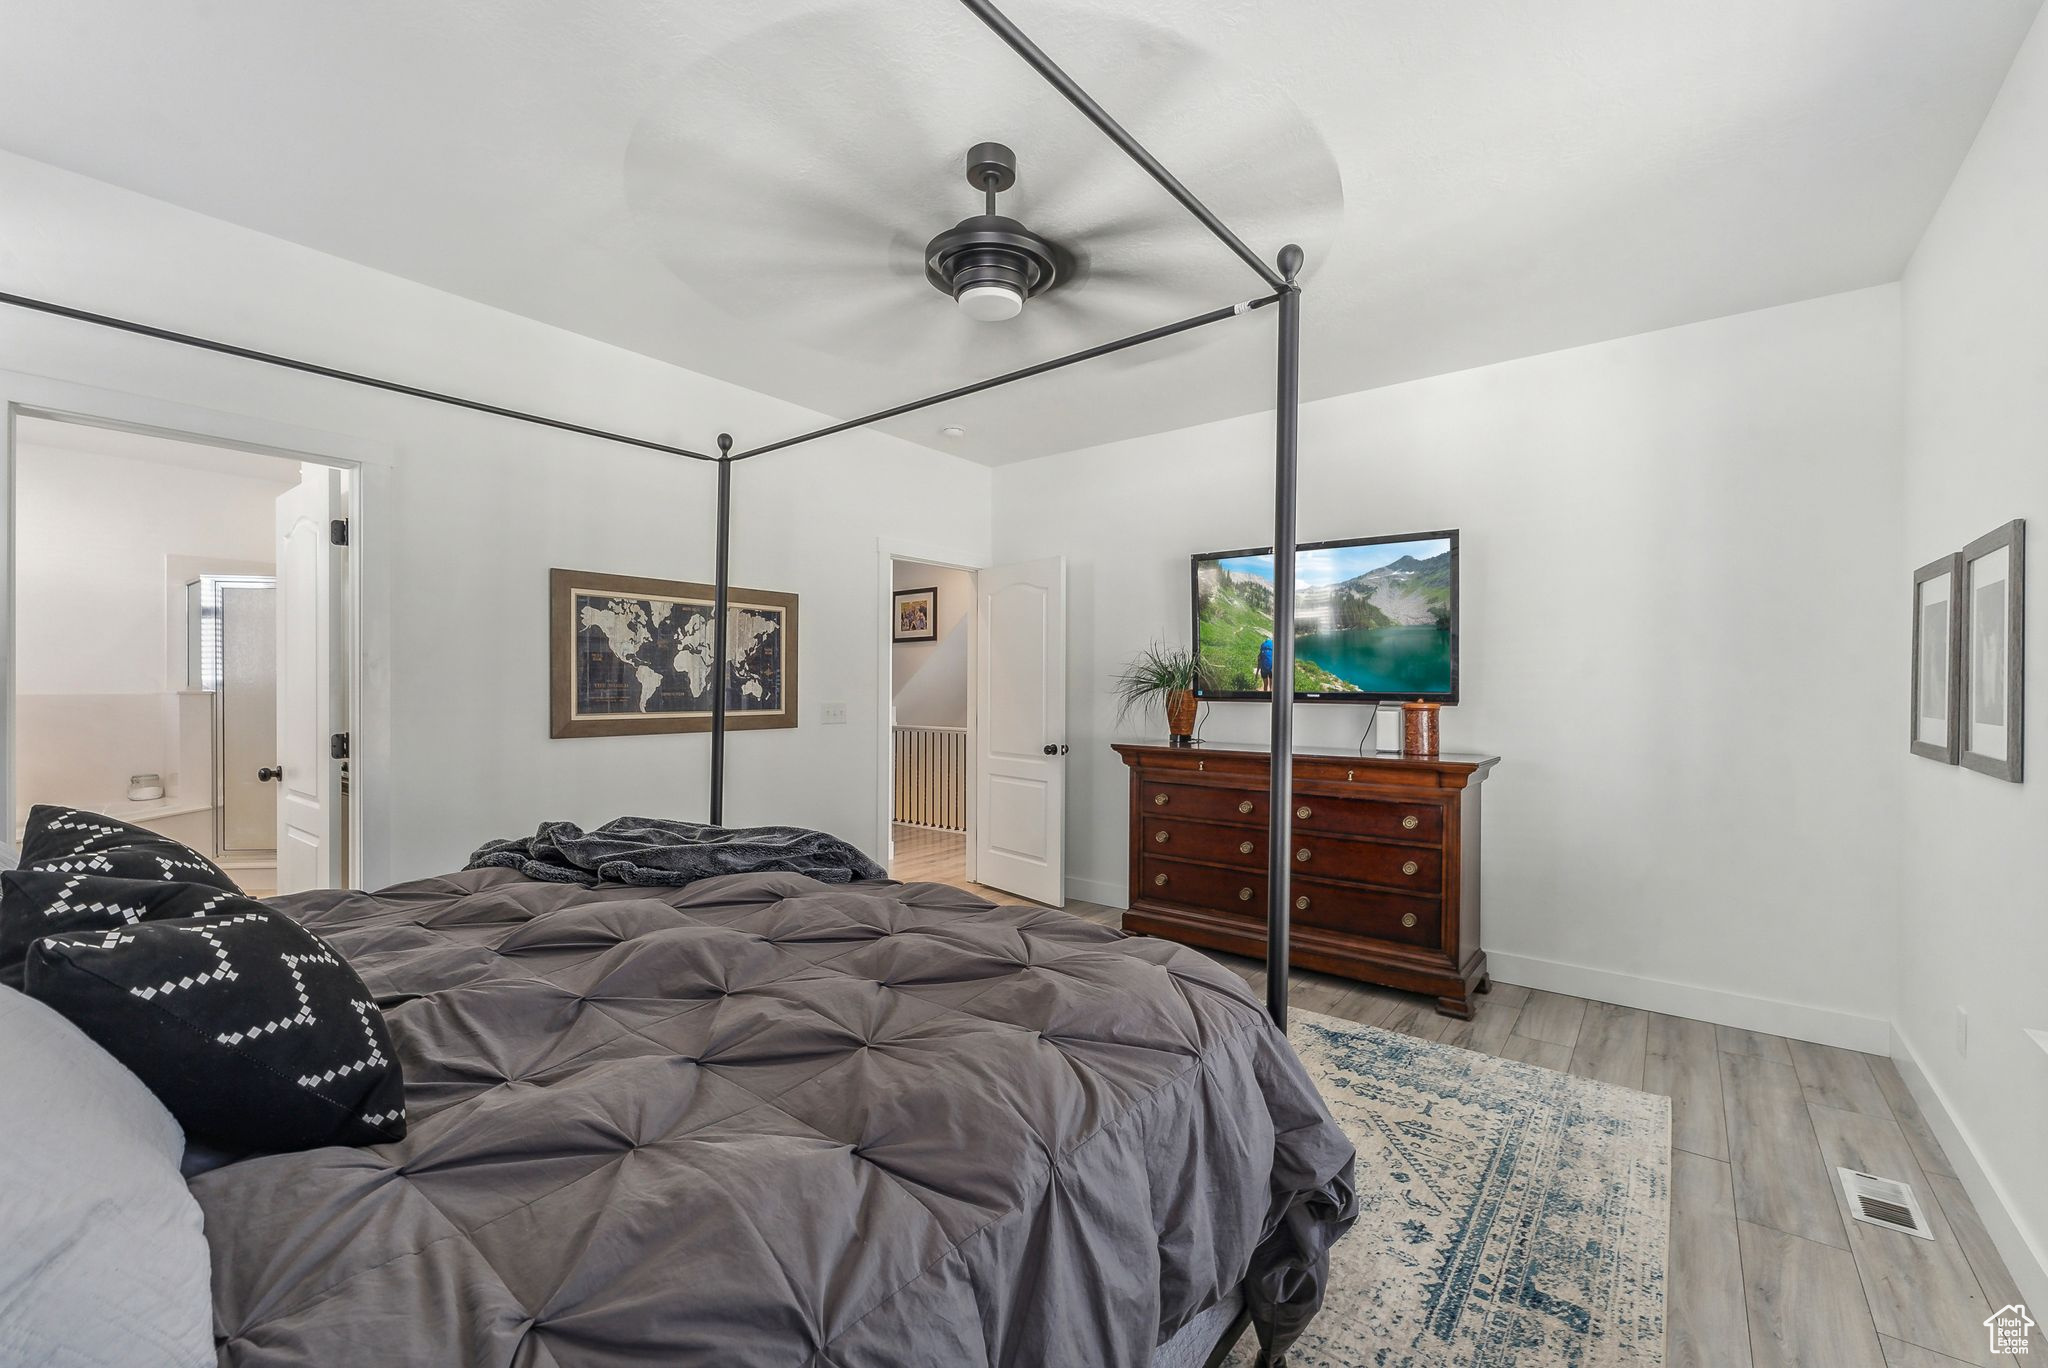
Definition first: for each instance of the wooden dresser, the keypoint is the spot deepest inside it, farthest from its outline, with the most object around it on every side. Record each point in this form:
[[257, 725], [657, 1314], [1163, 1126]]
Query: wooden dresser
[[1386, 849]]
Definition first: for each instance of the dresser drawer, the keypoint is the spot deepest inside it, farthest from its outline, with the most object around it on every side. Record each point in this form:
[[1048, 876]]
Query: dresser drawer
[[1393, 866], [1156, 799], [1391, 819], [1240, 893], [1176, 839], [1367, 912]]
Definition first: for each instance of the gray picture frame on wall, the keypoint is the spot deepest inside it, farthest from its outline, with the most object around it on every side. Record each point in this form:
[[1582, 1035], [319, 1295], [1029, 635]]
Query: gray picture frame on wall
[[1995, 653], [1937, 584]]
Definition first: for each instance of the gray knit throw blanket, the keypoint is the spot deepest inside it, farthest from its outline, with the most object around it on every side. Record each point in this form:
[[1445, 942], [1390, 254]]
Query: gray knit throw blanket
[[650, 851]]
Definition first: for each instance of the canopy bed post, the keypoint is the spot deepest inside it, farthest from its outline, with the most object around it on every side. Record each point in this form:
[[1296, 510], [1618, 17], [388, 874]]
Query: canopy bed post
[[1286, 294], [720, 591], [1280, 778]]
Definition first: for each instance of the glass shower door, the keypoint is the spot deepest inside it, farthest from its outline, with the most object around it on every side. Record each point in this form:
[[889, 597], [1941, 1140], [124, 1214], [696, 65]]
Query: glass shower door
[[245, 711]]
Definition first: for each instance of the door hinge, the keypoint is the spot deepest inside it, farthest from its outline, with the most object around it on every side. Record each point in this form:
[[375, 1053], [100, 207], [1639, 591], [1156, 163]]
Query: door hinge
[[337, 532], [337, 746]]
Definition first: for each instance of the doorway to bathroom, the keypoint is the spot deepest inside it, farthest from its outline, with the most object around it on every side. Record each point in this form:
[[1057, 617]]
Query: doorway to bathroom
[[181, 645]]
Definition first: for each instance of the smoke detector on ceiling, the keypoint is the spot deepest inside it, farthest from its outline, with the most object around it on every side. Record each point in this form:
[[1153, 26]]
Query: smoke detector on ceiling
[[988, 263]]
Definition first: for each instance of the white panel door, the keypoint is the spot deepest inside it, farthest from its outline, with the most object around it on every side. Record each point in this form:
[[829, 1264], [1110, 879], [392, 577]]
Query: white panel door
[[308, 684], [1021, 717]]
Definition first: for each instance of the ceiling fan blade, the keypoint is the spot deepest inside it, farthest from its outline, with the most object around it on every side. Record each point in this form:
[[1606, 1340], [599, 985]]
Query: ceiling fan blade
[[1148, 85], [843, 317], [1259, 164], [664, 169], [902, 259]]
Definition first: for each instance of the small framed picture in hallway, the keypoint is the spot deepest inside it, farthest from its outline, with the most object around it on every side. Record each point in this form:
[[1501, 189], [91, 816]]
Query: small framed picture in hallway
[[916, 615]]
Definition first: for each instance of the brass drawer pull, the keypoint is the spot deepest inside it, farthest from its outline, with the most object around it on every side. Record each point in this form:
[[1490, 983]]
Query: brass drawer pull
[[1410, 822], [1304, 812], [1244, 895], [1407, 919], [1301, 855], [1409, 868], [1159, 837], [1244, 847], [1159, 879], [1245, 806], [1301, 904], [1159, 800]]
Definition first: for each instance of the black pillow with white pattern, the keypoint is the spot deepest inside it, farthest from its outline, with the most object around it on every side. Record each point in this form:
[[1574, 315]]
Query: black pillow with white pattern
[[251, 1030], [45, 902], [71, 841]]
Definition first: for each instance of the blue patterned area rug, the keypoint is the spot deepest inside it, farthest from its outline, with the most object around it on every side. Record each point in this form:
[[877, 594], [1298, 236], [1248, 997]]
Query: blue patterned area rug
[[1510, 1214]]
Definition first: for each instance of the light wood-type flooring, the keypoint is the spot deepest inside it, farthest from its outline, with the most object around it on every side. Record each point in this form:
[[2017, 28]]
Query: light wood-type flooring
[[1767, 1270]]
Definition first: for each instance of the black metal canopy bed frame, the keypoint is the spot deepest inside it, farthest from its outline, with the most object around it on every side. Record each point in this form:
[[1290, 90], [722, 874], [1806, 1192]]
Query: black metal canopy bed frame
[[1284, 290]]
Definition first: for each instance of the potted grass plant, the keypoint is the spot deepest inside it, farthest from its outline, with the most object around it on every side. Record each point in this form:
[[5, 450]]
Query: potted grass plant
[[1165, 677]]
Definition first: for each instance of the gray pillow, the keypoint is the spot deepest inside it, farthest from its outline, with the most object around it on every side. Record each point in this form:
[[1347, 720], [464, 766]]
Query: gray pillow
[[104, 1262]]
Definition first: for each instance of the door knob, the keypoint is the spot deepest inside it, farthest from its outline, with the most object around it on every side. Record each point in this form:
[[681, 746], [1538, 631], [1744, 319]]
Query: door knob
[[268, 773], [1051, 749]]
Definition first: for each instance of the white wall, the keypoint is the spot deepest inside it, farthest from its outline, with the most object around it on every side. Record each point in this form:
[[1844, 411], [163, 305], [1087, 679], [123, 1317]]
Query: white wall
[[92, 554], [930, 677], [1669, 633], [1975, 853], [99, 538], [465, 513]]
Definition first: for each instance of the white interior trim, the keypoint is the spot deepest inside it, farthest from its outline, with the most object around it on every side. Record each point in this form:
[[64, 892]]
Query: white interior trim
[[2025, 1255], [1798, 1021], [1097, 891], [890, 550], [367, 591]]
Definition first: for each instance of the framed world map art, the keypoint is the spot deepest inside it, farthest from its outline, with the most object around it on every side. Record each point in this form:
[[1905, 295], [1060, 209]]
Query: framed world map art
[[632, 657]]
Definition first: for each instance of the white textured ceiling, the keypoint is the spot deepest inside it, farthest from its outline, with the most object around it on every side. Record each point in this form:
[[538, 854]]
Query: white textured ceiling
[[742, 186]]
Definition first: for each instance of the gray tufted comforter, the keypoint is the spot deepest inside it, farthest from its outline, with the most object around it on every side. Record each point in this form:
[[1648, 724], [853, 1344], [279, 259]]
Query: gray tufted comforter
[[761, 1120], [656, 850]]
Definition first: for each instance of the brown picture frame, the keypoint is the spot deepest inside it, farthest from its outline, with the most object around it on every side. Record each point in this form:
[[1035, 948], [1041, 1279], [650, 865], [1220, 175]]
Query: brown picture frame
[[563, 720], [2006, 679], [1949, 567]]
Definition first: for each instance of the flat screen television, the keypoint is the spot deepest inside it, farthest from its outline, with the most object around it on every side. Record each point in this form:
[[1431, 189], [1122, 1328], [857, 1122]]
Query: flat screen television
[[1375, 619]]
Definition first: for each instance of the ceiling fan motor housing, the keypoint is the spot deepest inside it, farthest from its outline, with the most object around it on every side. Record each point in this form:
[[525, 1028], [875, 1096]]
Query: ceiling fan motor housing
[[990, 251], [991, 264]]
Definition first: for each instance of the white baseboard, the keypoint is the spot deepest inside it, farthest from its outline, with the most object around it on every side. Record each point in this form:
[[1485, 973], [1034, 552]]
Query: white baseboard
[[1821, 1025], [2024, 1256], [1098, 891]]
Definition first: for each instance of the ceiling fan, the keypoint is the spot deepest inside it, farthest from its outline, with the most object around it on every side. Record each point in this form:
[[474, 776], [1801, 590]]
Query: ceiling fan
[[990, 264], [794, 181]]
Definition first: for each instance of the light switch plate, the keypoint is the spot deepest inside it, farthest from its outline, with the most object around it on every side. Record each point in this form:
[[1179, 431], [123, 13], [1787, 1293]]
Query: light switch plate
[[833, 714]]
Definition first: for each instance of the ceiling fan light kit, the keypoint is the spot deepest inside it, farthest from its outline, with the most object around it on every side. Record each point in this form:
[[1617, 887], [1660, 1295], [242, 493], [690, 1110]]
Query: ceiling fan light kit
[[990, 265]]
